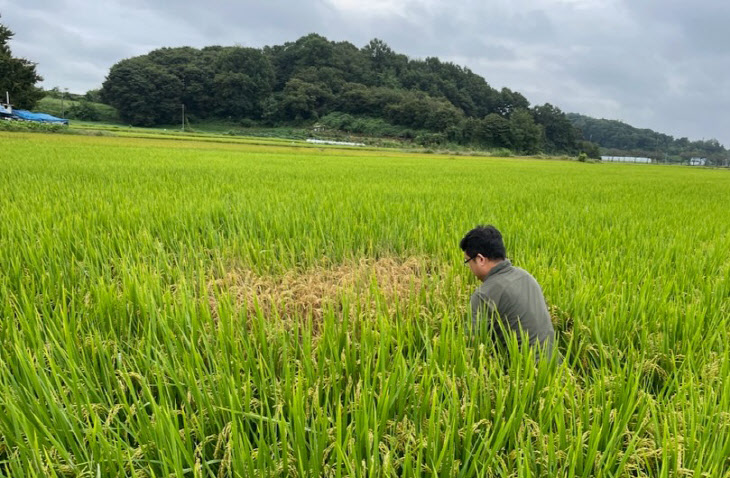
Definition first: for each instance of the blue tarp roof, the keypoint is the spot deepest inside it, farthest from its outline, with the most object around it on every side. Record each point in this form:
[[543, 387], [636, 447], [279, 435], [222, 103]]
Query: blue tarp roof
[[41, 117]]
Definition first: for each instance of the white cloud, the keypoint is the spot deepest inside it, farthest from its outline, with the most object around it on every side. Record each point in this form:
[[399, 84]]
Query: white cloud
[[371, 8]]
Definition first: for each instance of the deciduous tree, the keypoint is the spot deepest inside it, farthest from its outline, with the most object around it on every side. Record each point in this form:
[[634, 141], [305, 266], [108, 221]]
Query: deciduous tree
[[18, 76]]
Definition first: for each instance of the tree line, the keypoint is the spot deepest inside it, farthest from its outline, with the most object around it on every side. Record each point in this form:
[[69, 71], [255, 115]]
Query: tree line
[[619, 139], [339, 85]]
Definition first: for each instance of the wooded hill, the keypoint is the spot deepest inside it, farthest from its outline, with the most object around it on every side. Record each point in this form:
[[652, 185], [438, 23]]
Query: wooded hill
[[369, 90], [618, 138]]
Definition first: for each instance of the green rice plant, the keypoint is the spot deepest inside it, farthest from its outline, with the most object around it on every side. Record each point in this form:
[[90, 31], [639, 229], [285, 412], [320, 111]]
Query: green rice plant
[[200, 307]]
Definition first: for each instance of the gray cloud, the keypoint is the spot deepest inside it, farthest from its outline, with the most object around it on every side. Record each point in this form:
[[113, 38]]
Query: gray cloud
[[661, 65]]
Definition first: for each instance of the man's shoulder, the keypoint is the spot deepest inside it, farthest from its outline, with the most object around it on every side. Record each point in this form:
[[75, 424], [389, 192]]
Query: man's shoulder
[[525, 275], [512, 274], [512, 282]]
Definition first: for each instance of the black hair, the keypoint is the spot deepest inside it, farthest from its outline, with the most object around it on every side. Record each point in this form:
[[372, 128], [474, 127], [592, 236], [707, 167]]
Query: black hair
[[484, 240]]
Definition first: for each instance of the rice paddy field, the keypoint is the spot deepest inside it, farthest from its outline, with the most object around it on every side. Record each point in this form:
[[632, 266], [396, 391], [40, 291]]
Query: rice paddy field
[[177, 307]]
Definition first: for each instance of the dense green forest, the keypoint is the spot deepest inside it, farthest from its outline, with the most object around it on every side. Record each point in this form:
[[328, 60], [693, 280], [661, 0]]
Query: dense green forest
[[371, 90]]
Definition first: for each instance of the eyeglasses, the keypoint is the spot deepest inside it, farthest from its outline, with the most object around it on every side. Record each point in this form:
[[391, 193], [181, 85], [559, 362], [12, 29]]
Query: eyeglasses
[[470, 259]]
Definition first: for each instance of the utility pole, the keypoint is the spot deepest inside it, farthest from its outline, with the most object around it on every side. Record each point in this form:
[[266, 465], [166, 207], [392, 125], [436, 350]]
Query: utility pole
[[63, 97], [183, 104]]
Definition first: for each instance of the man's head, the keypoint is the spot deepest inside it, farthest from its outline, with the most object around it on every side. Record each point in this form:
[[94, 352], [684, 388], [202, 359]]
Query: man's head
[[483, 249]]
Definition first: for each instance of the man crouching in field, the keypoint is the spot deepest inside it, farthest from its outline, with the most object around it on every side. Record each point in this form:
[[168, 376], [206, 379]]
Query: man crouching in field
[[509, 298]]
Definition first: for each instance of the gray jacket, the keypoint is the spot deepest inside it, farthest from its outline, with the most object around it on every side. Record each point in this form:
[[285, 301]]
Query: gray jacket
[[510, 299]]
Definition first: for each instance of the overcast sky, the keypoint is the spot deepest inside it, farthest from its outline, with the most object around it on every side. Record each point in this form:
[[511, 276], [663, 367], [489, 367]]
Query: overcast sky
[[663, 65]]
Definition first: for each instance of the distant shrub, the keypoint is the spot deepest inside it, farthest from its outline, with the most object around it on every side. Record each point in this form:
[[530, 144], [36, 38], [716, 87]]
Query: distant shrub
[[32, 126], [337, 120], [365, 125], [84, 111], [592, 150], [501, 152], [430, 139]]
